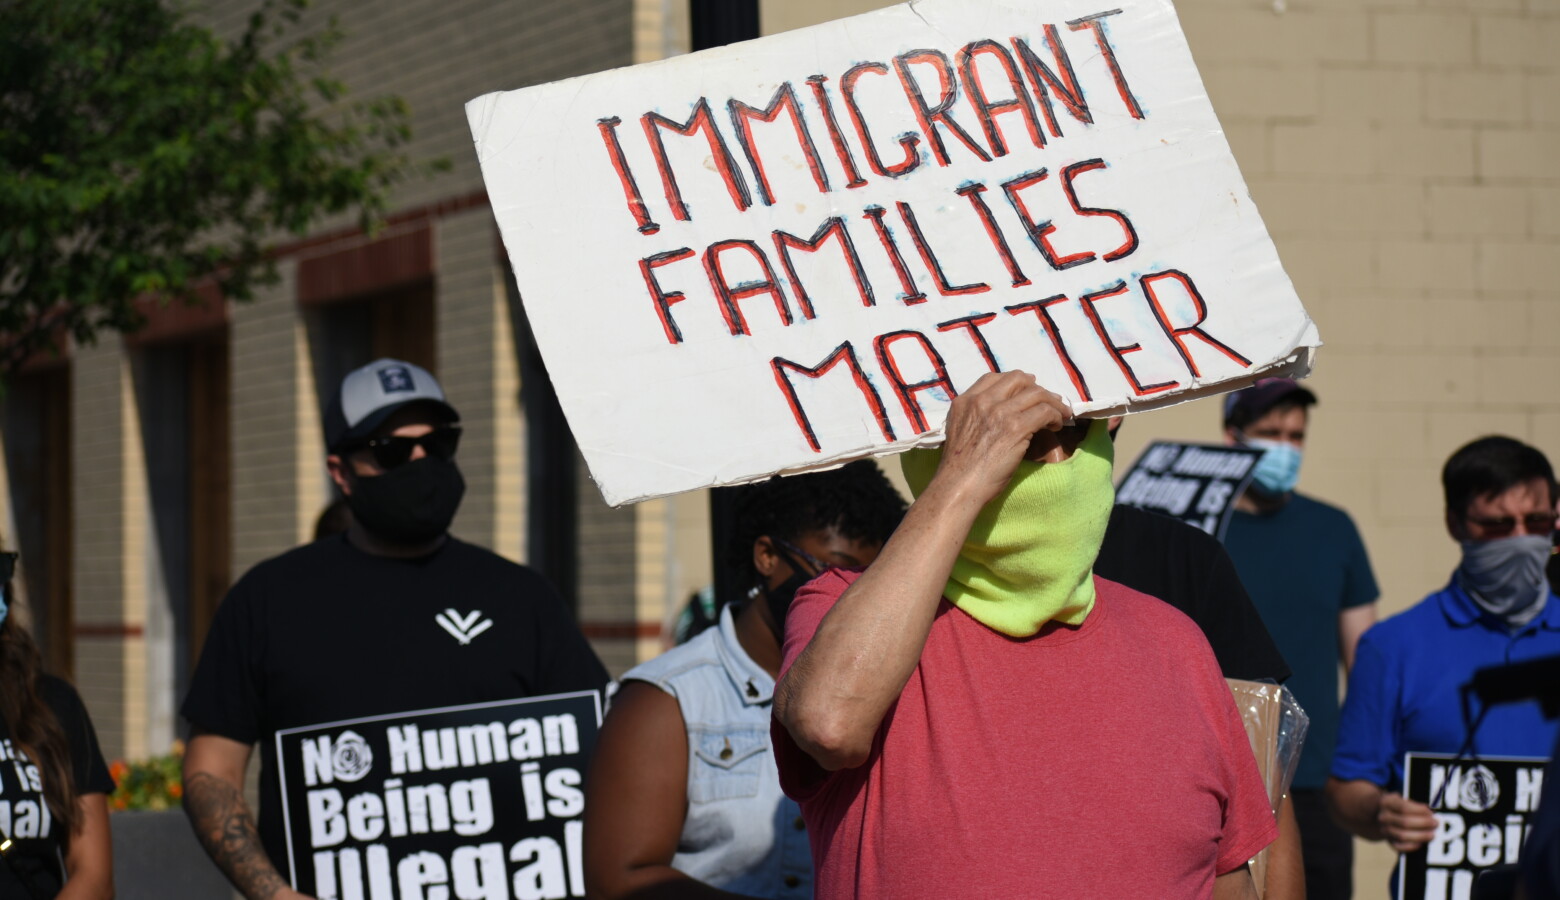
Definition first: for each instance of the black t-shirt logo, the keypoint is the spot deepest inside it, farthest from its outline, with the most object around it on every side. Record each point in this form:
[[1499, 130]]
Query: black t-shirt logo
[[463, 628]]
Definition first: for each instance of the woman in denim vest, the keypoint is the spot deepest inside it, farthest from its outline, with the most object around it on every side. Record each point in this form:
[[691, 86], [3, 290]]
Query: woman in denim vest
[[684, 797]]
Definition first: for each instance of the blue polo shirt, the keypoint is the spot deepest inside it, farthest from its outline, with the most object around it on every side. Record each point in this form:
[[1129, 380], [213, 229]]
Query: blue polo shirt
[[1405, 691]]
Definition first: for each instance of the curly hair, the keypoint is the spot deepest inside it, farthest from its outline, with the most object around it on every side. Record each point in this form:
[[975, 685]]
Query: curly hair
[[33, 724], [855, 500]]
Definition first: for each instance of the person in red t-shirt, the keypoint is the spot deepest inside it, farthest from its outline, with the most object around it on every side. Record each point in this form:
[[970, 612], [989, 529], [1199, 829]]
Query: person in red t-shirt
[[978, 716]]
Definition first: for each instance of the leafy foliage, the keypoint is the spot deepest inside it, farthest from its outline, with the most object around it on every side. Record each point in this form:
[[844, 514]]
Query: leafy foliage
[[140, 154], [156, 783]]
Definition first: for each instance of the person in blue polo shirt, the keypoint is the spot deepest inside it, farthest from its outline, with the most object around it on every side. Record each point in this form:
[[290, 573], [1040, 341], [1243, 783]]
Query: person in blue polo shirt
[[1405, 688]]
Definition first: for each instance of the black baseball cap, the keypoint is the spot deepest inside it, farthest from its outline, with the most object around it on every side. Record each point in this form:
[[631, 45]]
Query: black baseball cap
[[1252, 403], [370, 395]]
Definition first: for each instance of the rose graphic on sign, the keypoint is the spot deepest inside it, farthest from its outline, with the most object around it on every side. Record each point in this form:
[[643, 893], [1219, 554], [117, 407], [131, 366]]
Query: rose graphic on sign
[[351, 758], [1480, 789]]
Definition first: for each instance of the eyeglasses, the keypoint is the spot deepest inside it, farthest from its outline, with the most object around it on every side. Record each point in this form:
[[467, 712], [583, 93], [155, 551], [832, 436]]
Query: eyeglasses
[[393, 451], [817, 564], [1533, 523]]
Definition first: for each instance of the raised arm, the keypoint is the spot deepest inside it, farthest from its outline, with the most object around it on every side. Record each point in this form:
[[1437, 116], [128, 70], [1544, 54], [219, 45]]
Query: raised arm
[[834, 697], [214, 801]]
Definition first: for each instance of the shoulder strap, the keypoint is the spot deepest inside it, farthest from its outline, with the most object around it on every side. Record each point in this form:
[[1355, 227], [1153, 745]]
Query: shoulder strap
[[10, 882]]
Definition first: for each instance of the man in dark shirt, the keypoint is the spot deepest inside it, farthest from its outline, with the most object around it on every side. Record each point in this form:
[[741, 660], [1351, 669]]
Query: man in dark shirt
[[1190, 570], [394, 615], [1305, 565]]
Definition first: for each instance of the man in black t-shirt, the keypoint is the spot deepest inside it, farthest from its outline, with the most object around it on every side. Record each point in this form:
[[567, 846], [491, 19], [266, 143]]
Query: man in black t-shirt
[[394, 615], [1189, 569]]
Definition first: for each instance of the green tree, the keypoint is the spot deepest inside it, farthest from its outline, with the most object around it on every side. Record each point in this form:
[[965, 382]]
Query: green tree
[[140, 154]]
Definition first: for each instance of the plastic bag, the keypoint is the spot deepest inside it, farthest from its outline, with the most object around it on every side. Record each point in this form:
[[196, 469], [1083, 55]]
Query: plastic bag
[[1276, 726]]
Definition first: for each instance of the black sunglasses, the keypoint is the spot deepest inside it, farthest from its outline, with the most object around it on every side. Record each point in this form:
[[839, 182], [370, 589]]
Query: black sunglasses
[[1535, 524], [393, 451]]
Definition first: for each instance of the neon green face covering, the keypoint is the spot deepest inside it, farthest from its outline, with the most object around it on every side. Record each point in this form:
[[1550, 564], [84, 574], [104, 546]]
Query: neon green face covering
[[1029, 557]]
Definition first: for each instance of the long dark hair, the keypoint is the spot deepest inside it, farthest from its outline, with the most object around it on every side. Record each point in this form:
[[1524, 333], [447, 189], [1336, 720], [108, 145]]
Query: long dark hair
[[33, 724]]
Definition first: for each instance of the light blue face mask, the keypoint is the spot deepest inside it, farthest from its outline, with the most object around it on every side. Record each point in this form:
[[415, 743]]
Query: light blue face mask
[[1278, 471], [5, 606]]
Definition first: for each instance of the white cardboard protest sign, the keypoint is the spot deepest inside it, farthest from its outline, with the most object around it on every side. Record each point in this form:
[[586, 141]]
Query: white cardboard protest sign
[[791, 252]]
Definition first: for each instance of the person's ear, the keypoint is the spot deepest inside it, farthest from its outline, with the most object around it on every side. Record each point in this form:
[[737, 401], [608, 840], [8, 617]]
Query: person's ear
[[1454, 527], [1231, 436], [766, 557], [337, 467], [1114, 425]]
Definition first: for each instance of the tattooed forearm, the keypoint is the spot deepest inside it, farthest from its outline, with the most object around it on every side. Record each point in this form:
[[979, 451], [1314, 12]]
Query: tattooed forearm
[[226, 827]]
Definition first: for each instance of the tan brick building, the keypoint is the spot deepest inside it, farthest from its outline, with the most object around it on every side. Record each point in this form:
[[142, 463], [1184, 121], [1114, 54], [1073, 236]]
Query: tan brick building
[[1402, 152]]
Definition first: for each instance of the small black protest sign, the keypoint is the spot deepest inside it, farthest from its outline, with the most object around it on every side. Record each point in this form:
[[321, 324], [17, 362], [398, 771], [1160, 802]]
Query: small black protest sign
[[1483, 809], [481, 801], [1196, 483]]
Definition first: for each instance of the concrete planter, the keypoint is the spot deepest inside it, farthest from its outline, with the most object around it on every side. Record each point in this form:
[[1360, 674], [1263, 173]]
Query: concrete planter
[[156, 857]]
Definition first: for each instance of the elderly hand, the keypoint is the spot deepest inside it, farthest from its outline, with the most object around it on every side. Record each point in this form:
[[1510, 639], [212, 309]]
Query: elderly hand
[[989, 430]]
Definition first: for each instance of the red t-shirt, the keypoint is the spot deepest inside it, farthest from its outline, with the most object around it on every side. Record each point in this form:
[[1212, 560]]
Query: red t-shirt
[[1104, 761]]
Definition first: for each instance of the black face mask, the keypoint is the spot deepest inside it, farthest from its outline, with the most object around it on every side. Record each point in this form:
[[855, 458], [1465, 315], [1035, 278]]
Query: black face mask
[[779, 597], [410, 504]]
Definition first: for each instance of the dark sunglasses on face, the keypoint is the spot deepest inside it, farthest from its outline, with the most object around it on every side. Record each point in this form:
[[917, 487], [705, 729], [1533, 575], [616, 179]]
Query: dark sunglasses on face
[[818, 565], [393, 451], [1534, 523]]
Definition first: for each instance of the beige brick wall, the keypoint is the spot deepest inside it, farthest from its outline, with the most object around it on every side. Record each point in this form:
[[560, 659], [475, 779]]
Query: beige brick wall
[[109, 507], [609, 556], [1398, 155], [478, 370], [438, 54], [278, 457]]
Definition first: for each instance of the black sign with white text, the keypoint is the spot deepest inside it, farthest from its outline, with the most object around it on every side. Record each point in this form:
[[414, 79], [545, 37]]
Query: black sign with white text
[[480, 801], [1483, 808], [1196, 483]]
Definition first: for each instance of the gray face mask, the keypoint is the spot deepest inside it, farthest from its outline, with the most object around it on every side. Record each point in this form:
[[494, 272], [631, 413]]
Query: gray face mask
[[1506, 576]]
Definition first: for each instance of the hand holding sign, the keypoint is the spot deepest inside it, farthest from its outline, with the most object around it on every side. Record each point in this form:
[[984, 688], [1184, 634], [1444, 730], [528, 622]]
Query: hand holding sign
[[1479, 813], [1405, 824]]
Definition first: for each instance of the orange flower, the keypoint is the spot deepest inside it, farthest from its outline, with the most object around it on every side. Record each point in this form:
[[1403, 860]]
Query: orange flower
[[117, 770], [176, 790]]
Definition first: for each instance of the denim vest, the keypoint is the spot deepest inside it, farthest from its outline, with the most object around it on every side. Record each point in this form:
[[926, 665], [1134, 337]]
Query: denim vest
[[741, 833]]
